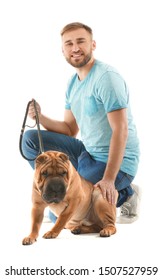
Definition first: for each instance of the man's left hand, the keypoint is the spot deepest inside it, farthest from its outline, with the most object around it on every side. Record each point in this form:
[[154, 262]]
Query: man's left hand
[[108, 190]]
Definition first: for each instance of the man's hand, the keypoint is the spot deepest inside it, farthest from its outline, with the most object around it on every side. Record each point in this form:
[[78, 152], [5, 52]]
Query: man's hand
[[108, 190], [31, 111]]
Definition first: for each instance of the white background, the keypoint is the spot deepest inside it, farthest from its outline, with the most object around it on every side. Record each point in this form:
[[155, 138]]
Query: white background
[[128, 35]]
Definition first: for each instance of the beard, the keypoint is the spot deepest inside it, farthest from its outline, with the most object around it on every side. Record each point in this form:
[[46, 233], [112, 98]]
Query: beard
[[77, 63]]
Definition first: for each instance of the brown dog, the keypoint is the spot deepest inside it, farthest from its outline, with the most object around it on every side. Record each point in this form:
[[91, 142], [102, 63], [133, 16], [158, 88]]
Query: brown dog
[[78, 205]]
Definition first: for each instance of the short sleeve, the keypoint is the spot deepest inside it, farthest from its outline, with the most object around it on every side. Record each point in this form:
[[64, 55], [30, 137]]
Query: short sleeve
[[67, 104], [67, 95], [112, 91]]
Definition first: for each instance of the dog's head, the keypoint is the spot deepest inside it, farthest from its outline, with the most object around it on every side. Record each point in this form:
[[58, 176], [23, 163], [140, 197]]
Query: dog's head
[[52, 173]]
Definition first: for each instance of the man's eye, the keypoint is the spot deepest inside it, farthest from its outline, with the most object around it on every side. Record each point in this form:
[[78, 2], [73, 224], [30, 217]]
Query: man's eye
[[69, 44]]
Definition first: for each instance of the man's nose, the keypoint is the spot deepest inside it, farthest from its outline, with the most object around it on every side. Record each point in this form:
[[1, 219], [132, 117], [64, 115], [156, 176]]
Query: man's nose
[[75, 47]]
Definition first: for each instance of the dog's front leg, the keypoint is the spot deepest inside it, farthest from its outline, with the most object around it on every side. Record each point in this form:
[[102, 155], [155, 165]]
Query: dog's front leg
[[37, 217], [61, 221]]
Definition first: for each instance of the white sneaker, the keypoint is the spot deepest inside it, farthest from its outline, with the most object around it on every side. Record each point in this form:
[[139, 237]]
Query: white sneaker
[[129, 211], [46, 218]]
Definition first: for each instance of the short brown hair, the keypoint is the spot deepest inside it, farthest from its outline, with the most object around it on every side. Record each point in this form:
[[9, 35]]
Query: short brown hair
[[76, 25]]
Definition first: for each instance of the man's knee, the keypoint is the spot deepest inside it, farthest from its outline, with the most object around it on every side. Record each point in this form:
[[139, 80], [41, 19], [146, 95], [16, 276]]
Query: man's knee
[[29, 137], [29, 142], [29, 134]]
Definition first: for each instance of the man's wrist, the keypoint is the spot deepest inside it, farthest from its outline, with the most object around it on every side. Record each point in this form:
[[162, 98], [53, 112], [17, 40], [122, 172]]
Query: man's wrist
[[108, 178]]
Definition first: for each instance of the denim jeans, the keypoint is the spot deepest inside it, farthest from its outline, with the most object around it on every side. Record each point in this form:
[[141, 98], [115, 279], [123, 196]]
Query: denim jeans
[[87, 167]]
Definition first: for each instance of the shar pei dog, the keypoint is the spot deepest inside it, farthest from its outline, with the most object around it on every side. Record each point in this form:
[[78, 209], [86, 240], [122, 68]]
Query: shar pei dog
[[77, 204]]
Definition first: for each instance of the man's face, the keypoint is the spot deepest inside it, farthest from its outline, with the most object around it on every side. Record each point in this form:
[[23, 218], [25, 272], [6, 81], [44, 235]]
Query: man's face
[[77, 47]]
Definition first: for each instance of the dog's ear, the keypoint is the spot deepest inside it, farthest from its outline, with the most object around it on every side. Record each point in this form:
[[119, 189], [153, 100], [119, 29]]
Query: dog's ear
[[63, 156], [40, 159]]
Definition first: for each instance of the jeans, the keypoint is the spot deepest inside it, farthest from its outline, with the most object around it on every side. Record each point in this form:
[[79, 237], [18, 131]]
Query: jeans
[[87, 167]]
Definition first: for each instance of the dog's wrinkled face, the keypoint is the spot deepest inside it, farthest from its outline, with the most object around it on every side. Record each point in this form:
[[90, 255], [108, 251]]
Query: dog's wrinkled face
[[52, 175]]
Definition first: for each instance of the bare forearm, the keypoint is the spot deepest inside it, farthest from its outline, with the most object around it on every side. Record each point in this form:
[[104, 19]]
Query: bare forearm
[[119, 126], [116, 153], [68, 126], [55, 125]]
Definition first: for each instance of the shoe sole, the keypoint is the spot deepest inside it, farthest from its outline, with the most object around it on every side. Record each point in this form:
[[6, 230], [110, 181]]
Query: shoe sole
[[126, 220]]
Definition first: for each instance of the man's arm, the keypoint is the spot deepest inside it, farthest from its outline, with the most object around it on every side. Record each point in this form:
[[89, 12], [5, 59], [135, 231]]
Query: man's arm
[[68, 126], [118, 122]]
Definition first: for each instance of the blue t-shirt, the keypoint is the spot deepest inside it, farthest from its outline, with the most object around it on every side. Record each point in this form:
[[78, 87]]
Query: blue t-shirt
[[102, 91]]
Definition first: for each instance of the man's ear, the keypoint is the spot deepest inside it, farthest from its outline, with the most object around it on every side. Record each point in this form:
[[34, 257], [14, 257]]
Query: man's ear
[[93, 45], [63, 51]]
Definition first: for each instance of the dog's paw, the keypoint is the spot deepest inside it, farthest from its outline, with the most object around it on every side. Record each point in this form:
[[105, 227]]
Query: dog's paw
[[107, 232], [50, 234], [28, 241], [76, 230]]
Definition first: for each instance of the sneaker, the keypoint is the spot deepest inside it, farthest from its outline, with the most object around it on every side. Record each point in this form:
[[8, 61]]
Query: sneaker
[[129, 211], [46, 219], [49, 217]]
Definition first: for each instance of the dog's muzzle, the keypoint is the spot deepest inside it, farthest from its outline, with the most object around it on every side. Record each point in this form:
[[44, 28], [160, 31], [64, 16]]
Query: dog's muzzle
[[54, 190]]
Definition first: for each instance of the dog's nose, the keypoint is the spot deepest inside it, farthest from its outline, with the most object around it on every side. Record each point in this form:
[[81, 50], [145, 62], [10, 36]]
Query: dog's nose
[[55, 185], [54, 190]]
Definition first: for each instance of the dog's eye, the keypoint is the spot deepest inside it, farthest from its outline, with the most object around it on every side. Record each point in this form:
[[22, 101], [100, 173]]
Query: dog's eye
[[64, 173], [44, 173]]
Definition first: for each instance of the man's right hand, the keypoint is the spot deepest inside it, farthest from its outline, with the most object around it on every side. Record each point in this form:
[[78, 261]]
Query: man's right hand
[[31, 111]]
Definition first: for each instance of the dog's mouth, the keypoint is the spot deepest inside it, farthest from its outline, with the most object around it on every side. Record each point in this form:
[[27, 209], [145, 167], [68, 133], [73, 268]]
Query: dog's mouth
[[54, 190], [52, 199]]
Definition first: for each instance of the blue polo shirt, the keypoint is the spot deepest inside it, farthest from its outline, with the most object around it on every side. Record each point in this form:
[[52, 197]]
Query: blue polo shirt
[[102, 91]]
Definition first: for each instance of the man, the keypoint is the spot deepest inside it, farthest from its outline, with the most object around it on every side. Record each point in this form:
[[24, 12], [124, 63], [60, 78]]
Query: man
[[97, 104]]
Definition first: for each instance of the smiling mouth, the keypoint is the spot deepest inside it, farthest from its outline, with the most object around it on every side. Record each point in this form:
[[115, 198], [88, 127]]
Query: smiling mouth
[[76, 56]]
